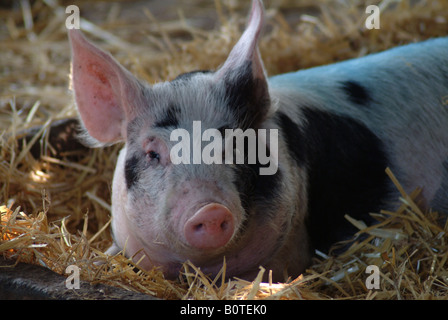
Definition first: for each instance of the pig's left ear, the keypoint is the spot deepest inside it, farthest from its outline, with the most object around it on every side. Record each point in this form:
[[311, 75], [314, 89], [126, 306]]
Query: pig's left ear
[[107, 95], [243, 72]]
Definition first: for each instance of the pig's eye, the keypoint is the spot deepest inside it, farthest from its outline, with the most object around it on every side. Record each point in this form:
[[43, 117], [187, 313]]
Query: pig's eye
[[153, 156]]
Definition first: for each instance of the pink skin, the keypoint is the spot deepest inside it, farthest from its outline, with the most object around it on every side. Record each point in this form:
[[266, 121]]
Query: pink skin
[[169, 243]]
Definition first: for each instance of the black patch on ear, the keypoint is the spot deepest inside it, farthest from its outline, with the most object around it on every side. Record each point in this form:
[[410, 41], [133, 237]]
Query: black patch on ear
[[346, 166], [356, 92], [170, 118], [131, 171], [246, 96]]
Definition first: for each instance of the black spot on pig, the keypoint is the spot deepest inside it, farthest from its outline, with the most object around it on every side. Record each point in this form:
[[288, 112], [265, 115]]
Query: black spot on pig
[[346, 166], [267, 188], [170, 118], [356, 92], [257, 189], [131, 171]]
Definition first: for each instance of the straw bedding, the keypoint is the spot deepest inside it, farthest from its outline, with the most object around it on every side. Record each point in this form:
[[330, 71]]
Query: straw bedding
[[55, 197]]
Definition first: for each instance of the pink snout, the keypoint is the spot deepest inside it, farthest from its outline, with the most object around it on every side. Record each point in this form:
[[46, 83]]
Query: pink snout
[[211, 227]]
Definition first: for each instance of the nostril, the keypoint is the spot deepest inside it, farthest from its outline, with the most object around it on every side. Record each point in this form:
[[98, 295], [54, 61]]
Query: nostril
[[224, 225], [198, 227]]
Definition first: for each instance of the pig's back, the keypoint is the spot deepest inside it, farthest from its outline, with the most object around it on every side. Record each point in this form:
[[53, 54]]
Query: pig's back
[[399, 95]]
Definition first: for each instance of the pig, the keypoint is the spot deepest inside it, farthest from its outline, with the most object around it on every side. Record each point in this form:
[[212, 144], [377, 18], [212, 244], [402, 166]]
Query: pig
[[339, 127]]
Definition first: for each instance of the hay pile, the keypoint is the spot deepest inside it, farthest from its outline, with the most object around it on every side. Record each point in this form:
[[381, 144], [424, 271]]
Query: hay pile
[[54, 201]]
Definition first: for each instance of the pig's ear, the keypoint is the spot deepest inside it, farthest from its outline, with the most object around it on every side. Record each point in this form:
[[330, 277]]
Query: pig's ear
[[243, 71], [106, 94]]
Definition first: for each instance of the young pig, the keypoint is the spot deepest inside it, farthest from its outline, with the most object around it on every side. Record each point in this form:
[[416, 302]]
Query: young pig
[[338, 126]]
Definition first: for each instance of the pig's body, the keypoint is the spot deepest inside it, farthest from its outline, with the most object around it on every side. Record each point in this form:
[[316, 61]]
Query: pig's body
[[361, 115], [339, 127]]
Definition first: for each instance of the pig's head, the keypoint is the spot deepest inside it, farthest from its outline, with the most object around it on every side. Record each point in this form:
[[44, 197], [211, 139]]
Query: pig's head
[[167, 212]]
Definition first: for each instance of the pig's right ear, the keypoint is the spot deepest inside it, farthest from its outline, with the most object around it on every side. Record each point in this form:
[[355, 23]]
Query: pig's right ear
[[107, 95]]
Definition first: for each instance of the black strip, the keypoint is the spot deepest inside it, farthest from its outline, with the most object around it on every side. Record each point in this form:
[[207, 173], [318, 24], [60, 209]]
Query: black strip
[[257, 190], [131, 171], [294, 138]]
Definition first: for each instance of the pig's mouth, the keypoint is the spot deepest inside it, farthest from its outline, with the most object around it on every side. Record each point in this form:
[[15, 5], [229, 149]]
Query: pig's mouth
[[233, 268], [248, 250], [208, 236]]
